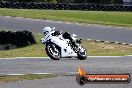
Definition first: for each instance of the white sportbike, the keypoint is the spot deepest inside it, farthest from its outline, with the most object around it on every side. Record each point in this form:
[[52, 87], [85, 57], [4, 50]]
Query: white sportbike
[[62, 45]]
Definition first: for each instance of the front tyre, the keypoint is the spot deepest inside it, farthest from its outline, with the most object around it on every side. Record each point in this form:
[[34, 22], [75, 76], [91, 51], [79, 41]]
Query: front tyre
[[52, 51], [82, 54]]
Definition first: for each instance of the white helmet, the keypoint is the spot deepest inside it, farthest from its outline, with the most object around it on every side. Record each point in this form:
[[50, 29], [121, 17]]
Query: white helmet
[[47, 30]]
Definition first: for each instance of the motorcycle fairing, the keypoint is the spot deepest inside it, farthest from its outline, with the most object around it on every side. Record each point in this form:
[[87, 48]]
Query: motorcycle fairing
[[66, 50]]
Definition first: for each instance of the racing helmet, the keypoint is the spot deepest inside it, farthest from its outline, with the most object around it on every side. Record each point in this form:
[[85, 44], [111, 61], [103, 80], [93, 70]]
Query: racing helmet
[[47, 30]]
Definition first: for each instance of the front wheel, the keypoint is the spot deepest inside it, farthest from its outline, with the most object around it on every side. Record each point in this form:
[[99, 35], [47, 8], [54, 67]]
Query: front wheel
[[82, 54], [52, 51]]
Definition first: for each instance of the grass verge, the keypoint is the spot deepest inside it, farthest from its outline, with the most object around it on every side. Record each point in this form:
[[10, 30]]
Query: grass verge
[[94, 17], [105, 49], [13, 78], [93, 48]]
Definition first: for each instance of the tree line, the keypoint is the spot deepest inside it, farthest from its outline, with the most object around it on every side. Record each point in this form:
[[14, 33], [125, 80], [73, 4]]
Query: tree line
[[70, 1]]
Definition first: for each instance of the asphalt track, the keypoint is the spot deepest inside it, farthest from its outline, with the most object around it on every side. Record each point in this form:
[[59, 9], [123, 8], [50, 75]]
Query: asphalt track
[[99, 65], [66, 66], [96, 32]]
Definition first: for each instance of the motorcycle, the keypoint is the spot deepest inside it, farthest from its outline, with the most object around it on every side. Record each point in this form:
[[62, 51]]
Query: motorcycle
[[62, 45]]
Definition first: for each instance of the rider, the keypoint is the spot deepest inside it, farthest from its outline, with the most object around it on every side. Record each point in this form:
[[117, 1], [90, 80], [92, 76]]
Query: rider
[[48, 31], [51, 32]]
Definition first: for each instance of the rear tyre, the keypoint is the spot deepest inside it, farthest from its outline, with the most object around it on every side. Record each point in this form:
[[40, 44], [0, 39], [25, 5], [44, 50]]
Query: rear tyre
[[52, 51]]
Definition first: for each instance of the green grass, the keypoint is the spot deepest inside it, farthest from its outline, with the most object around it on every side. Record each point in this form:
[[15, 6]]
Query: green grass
[[105, 49], [94, 17], [13, 78], [29, 51], [1, 30], [93, 48]]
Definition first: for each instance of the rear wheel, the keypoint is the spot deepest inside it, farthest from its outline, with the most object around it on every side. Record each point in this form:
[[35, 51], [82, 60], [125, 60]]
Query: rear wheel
[[52, 51]]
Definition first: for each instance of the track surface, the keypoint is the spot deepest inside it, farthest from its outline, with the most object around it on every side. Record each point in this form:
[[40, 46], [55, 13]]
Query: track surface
[[60, 82], [92, 65], [108, 33]]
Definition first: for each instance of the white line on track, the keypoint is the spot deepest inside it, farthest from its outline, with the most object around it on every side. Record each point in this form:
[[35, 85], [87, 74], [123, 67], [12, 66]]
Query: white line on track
[[105, 56], [42, 73], [128, 55], [7, 16], [13, 74], [49, 57], [65, 73], [107, 41], [27, 74], [129, 44], [19, 17]]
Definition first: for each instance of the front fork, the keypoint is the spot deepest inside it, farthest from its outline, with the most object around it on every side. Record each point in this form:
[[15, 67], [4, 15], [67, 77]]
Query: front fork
[[75, 45]]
